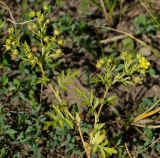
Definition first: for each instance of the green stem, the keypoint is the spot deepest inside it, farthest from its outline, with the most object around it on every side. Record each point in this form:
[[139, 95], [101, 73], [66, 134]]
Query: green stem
[[82, 139], [49, 85], [101, 106]]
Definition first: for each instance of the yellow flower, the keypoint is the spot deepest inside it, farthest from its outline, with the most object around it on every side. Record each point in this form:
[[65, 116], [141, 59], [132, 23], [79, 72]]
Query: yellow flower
[[138, 80], [58, 52], [60, 42], [143, 63], [100, 63], [56, 32]]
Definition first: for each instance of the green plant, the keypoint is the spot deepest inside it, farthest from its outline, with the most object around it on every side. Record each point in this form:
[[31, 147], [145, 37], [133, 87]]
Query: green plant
[[144, 25], [107, 7], [42, 53], [122, 69]]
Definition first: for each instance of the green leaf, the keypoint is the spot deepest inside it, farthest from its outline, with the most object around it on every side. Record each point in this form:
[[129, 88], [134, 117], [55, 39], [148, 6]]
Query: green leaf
[[21, 95], [47, 124], [95, 148], [16, 82], [96, 103], [100, 138], [103, 154], [2, 23], [141, 20], [4, 80], [104, 143], [61, 123], [11, 133], [64, 79], [51, 115], [84, 5], [111, 100], [69, 123], [99, 126], [110, 151], [152, 72], [128, 44]]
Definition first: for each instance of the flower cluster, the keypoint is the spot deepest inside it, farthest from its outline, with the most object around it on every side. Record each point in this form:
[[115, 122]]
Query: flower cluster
[[125, 68], [43, 46]]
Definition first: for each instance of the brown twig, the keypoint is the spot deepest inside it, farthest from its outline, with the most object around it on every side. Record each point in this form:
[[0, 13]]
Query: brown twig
[[5, 6], [131, 36], [148, 112], [21, 23], [145, 115], [127, 150], [144, 126], [113, 39]]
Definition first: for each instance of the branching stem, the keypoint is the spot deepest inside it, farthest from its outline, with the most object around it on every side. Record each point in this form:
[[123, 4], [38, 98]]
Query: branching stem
[[101, 106], [82, 139], [49, 85]]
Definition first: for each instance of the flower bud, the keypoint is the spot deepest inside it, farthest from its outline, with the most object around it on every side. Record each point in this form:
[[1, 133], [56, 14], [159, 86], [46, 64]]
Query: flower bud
[[56, 32], [53, 39], [60, 42], [45, 7], [14, 55], [46, 39], [38, 13], [11, 30], [32, 14], [8, 41]]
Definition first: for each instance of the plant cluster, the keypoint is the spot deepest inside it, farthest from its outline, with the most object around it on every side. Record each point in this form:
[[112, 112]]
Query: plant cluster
[[42, 51]]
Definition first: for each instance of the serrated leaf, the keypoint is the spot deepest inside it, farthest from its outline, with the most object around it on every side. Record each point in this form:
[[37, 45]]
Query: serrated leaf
[[103, 154], [51, 115], [110, 151], [61, 123], [96, 103], [47, 124], [105, 143], [64, 79], [69, 123], [100, 138], [95, 148], [111, 100], [99, 126]]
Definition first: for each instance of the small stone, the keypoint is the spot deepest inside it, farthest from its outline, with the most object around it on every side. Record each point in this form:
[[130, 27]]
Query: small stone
[[145, 51]]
